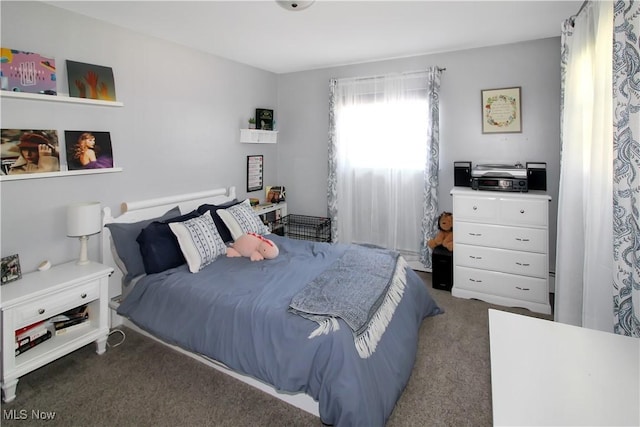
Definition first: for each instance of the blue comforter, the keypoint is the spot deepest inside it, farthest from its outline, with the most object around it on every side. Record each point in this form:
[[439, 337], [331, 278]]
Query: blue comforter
[[236, 311]]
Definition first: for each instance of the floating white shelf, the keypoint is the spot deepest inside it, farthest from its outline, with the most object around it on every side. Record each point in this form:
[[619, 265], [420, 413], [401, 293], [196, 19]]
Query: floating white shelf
[[57, 174], [58, 98], [258, 136]]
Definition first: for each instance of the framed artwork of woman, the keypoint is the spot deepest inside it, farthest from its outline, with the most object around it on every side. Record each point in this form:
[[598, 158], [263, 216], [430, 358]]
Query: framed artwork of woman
[[88, 149]]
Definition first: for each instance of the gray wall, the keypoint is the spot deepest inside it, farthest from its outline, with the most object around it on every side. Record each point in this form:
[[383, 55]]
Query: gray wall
[[534, 66], [177, 132]]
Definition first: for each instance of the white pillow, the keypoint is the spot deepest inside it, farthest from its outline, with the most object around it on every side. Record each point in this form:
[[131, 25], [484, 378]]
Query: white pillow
[[241, 219], [199, 241]]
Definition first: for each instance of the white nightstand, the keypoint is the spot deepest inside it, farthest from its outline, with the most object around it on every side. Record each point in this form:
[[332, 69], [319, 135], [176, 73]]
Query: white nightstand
[[42, 295], [271, 207], [279, 209]]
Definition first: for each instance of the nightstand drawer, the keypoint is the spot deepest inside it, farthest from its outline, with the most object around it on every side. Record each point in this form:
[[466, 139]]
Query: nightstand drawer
[[50, 306]]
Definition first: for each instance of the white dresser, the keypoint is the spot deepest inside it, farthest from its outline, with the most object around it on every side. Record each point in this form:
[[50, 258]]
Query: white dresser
[[501, 247]]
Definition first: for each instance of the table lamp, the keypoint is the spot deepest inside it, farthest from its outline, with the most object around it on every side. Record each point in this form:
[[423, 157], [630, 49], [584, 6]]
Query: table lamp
[[83, 220]]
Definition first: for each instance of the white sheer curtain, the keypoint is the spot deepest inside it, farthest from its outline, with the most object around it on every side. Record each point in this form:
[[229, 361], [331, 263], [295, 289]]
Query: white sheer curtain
[[380, 133], [584, 260]]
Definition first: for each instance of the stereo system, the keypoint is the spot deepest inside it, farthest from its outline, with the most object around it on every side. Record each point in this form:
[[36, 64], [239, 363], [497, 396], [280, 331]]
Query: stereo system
[[501, 177]]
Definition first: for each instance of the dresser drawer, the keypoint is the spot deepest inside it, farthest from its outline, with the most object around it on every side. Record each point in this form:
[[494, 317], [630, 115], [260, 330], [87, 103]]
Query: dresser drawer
[[517, 238], [514, 262], [524, 212], [49, 306], [501, 284], [478, 209]]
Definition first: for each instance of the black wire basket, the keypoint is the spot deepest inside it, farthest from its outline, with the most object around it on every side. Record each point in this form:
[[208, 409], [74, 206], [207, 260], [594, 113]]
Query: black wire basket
[[303, 227]]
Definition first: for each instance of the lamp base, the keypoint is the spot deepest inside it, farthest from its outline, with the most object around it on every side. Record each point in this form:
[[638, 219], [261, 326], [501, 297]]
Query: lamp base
[[84, 259]]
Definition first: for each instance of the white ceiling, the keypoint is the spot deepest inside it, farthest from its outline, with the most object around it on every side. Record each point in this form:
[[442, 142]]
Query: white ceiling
[[331, 33]]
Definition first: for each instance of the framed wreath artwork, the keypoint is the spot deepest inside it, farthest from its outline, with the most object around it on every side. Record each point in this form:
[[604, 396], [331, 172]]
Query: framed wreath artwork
[[501, 111]]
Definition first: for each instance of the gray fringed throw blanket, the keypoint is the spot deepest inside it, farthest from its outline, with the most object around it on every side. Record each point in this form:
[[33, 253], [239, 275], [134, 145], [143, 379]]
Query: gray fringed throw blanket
[[363, 288]]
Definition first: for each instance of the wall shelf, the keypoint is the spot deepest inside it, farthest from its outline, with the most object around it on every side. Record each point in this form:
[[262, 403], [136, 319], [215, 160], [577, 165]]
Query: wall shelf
[[58, 98], [258, 136], [58, 174]]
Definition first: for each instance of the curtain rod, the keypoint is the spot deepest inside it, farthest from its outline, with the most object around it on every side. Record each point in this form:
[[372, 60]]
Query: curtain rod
[[379, 76], [573, 17]]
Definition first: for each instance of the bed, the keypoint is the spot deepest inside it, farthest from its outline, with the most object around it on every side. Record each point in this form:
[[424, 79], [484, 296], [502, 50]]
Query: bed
[[253, 320]]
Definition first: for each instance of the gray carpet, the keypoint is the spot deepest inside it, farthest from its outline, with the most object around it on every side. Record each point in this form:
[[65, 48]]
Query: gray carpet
[[143, 383]]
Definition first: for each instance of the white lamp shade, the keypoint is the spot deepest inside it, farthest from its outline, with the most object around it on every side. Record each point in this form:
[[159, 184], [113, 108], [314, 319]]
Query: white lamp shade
[[84, 219]]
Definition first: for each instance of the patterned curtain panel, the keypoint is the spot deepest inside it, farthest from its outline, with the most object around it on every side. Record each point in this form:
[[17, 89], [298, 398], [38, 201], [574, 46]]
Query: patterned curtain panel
[[432, 164], [626, 174], [332, 189]]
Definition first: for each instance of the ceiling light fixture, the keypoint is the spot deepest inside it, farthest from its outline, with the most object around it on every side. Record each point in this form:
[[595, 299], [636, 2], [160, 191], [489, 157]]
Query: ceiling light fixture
[[295, 5]]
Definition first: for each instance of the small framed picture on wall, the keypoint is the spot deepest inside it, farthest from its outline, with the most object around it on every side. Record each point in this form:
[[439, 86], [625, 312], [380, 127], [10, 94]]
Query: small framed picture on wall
[[501, 111], [255, 167]]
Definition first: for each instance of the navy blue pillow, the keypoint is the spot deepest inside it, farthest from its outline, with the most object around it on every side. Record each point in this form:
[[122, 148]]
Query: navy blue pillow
[[123, 236], [220, 225], [159, 247]]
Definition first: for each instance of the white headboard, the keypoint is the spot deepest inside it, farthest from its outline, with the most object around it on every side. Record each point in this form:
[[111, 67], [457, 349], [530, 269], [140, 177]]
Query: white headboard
[[135, 211]]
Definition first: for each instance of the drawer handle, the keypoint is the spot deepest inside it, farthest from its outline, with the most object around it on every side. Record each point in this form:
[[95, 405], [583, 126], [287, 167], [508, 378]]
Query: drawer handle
[[41, 311], [523, 264], [522, 289], [83, 295], [522, 239]]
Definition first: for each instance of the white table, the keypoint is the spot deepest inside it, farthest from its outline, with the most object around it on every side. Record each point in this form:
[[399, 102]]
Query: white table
[[548, 373]]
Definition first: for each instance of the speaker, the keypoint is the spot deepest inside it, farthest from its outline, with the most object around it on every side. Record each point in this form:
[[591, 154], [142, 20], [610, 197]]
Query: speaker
[[442, 268], [537, 176], [462, 174]]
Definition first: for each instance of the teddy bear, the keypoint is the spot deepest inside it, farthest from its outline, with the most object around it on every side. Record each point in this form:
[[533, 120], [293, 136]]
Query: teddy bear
[[253, 246], [445, 233]]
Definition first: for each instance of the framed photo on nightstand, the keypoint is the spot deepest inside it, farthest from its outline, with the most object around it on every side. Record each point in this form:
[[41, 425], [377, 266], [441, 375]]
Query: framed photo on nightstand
[[10, 269]]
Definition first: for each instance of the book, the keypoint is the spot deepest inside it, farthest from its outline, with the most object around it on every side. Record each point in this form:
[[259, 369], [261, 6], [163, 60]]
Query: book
[[66, 323], [75, 313], [33, 343], [31, 335], [24, 329], [71, 328]]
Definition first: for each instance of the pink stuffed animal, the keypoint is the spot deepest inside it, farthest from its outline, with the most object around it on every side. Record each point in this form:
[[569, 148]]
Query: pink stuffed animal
[[253, 246]]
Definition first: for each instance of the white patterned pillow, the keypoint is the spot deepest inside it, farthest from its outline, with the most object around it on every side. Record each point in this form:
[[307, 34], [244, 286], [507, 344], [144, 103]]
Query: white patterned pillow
[[199, 241], [241, 219]]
